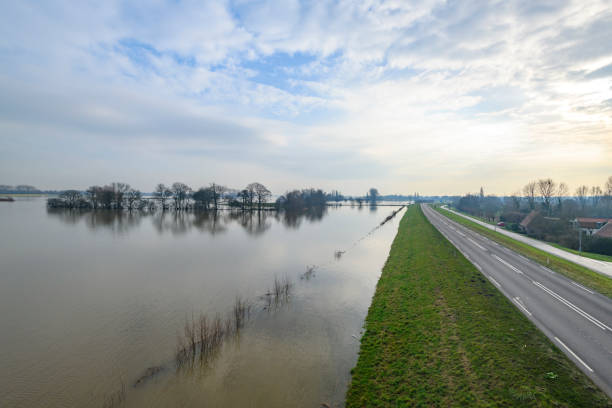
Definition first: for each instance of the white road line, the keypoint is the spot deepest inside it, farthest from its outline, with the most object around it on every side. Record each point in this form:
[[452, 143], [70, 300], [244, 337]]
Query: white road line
[[477, 266], [574, 354], [517, 300], [575, 308], [583, 288], [494, 281], [460, 233], [476, 243], [507, 264]]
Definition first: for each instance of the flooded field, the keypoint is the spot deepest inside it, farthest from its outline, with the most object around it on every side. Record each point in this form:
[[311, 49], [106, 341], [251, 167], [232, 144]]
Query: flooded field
[[184, 309]]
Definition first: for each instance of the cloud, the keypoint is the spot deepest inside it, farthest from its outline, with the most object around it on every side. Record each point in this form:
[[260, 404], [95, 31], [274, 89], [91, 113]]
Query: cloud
[[328, 92]]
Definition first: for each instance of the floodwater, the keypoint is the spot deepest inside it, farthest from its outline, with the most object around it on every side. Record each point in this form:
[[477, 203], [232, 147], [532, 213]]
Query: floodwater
[[90, 300]]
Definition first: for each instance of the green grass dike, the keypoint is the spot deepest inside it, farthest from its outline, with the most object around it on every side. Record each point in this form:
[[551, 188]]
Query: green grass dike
[[439, 334]]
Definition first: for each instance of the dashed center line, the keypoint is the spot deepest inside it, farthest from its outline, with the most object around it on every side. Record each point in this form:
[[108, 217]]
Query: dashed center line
[[476, 243], [572, 306], [508, 265]]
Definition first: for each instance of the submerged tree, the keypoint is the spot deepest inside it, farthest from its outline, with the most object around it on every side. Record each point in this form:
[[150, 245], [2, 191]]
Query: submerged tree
[[180, 192], [162, 194]]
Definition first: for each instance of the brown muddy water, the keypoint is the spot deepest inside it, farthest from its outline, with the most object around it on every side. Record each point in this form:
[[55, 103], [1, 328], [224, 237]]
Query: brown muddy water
[[94, 306]]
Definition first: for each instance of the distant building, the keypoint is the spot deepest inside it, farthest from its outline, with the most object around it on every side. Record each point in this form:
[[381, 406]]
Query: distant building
[[605, 231], [592, 226], [526, 223]]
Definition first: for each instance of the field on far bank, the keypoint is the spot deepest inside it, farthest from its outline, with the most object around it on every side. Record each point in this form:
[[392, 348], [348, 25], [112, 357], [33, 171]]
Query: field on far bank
[[578, 273], [439, 334]]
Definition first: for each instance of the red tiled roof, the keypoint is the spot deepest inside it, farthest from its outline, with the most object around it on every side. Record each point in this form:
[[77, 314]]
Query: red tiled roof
[[527, 220], [586, 222], [605, 231]]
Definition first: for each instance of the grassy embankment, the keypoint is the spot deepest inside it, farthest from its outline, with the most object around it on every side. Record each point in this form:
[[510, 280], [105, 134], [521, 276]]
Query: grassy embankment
[[580, 274], [439, 334], [592, 255]]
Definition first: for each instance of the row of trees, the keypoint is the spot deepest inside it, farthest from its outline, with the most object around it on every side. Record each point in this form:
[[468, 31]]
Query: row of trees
[[550, 194], [179, 196], [556, 207]]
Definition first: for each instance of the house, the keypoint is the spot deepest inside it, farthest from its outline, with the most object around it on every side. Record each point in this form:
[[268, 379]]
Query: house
[[605, 231], [526, 222], [591, 226]]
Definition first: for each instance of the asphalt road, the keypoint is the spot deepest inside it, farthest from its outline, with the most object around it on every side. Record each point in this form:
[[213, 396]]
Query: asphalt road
[[596, 265], [577, 319]]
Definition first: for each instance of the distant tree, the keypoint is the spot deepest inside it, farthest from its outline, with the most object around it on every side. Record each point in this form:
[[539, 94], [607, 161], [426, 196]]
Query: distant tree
[[608, 191], [106, 196], [217, 193], [180, 193], [119, 190], [162, 194], [562, 192], [203, 197], [516, 200], [93, 195], [243, 196], [133, 198], [373, 194], [530, 193], [596, 193], [547, 188], [262, 194], [71, 198], [581, 194]]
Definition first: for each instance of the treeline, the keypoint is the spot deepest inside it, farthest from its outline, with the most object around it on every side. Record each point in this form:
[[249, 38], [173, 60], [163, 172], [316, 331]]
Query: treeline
[[180, 197], [555, 208]]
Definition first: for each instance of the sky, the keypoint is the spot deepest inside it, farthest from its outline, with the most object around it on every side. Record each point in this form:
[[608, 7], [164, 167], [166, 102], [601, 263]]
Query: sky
[[435, 97]]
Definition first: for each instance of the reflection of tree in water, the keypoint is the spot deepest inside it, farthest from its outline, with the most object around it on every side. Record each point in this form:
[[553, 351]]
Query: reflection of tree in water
[[117, 221], [180, 222], [293, 218]]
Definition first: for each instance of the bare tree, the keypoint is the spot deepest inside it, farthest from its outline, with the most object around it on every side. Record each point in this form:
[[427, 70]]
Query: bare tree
[[608, 191], [162, 194], [119, 190], [530, 192], [217, 193], [71, 198], [516, 200], [581, 194], [93, 195], [547, 188], [596, 193], [180, 192], [260, 192], [562, 192], [133, 198], [244, 195]]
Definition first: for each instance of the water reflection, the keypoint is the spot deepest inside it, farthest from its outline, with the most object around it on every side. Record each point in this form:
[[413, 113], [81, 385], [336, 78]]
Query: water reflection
[[181, 222]]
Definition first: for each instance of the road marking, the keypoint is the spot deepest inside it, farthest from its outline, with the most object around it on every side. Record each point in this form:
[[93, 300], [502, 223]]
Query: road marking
[[583, 288], [574, 354], [476, 243], [517, 300], [460, 233], [477, 266], [575, 308], [494, 281], [508, 265]]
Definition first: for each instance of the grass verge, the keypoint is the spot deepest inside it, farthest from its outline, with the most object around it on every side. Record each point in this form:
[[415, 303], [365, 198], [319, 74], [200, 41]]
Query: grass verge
[[592, 255], [439, 334], [578, 273]]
